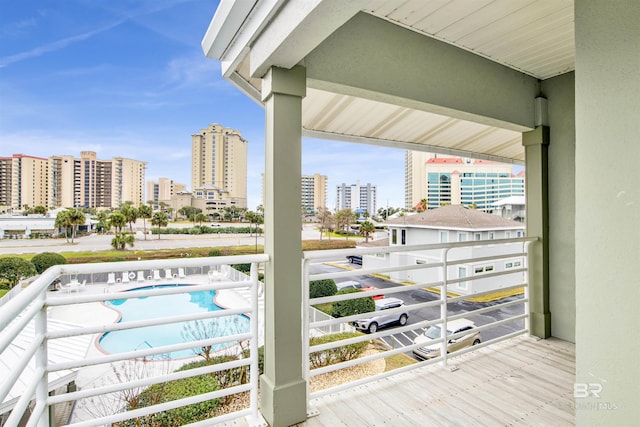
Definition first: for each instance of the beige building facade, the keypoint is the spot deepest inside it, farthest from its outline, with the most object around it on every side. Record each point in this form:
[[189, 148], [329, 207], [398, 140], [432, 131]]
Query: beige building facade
[[163, 190], [314, 192], [219, 159], [23, 182], [67, 181]]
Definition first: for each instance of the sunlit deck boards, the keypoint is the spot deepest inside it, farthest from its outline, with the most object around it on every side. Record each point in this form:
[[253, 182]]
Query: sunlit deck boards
[[516, 382]]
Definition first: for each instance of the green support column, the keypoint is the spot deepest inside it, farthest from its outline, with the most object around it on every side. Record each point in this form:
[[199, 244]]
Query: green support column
[[283, 388], [536, 145]]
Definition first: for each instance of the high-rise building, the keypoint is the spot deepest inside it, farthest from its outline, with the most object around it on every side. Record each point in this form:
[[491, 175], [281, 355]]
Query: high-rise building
[[458, 181], [314, 192], [127, 181], [163, 190], [65, 181], [219, 159], [23, 182], [356, 197]]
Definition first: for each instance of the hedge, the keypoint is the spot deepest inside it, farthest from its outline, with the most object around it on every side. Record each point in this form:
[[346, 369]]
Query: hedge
[[322, 288], [352, 306], [337, 354], [47, 259]]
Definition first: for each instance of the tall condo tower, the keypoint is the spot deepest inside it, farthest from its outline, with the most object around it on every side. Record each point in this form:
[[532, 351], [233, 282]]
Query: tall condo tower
[[219, 160]]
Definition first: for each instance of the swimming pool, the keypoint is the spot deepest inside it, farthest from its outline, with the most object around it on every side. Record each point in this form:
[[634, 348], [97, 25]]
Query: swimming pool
[[164, 306]]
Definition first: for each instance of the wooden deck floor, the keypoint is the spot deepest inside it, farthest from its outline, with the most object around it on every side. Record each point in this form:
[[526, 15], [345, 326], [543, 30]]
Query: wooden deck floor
[[518, 382]]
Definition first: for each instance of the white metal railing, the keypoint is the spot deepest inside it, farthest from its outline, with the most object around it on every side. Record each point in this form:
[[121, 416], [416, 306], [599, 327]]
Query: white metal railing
[[32, 309], [443, 258]]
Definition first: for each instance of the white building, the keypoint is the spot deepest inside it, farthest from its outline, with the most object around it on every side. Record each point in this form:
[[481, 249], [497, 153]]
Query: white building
[[511, 208], [448, 224], [356, 197]]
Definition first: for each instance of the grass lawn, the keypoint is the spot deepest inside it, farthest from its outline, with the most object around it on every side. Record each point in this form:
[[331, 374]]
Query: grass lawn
[[3, 292]]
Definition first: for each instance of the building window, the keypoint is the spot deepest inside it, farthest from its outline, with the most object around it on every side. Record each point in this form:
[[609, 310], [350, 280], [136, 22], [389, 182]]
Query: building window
[[394, 236], [462, 237], [491, 235], [477, 236], [404, 237], [462, 273], [444, 237], [507, 234]]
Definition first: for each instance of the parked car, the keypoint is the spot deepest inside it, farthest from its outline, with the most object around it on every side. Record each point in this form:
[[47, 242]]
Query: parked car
[[358, 285], [429, 351], [355, 259], [380, 318], [215, 224]]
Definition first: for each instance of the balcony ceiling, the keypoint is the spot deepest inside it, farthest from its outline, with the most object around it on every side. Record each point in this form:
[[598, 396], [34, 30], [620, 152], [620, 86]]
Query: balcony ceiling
[[532, 37]]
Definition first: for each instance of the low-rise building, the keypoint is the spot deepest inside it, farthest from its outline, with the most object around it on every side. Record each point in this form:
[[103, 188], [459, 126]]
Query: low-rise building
[[448, 224]]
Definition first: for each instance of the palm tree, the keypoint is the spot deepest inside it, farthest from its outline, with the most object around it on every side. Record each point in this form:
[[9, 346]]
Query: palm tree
[[366, 229], [159, 219], [200, 217], [130, 213], [103, 221], [120, 241], [117, 220], [326, 220], [75, 218], [145, 212], [63, 221]]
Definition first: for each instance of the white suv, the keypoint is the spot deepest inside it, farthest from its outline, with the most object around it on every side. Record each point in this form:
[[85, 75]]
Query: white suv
[[380, 318]]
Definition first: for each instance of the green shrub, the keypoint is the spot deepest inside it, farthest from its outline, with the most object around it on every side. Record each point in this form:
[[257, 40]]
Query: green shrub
[[322, 288], [178, 389], [338, 354], [215, 252], [47, 259], [352, 306], [195, 230], [14, 269], [243, 268]]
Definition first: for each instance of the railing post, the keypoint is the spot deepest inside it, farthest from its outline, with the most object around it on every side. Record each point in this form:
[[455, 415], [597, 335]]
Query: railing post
[[42, 389], [527, 294], [305, 332], [254, 369], [443, 307]]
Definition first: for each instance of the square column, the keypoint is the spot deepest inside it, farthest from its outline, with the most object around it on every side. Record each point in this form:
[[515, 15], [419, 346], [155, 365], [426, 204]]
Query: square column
[[283, 388], [536, 145]]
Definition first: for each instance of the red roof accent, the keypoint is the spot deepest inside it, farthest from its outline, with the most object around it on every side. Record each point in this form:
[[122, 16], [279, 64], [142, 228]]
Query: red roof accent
[[455, 173], [484, 162], [446, 160], [26, 156], [521, 173]]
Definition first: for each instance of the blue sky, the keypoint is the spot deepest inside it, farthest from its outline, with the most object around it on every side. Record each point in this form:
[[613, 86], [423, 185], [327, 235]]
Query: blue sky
[[128, 78]]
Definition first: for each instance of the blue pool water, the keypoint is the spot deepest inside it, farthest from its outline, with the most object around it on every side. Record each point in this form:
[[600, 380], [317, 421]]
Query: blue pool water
[[165, 306]]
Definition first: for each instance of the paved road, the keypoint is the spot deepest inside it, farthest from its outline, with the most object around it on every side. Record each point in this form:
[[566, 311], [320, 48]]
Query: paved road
[[97, 242], [432, 313]]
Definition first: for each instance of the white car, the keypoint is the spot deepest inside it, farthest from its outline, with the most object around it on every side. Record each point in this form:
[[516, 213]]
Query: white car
[[429, 351], [380, 318]]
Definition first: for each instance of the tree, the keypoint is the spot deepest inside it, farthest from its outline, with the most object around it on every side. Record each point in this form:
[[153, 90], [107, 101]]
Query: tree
[[130, 213], [40, 210], [45, 260], [120, 240], [63, 221], [76, 218], [352, 306], [200, 217], [326, 221], [159, 219], [117, 220], [103, 221], [344, 219], [145, 212], [14, 269], [366, 229], [322, 288]]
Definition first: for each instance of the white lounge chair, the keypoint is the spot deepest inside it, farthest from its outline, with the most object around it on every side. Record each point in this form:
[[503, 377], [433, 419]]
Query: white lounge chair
[[111, 279], [140, 276], [181, 274], [125, 277], [156, 275], [167, 274]]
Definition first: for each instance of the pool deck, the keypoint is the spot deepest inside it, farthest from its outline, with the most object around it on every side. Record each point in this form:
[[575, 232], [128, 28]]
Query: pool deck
[[96, 313]]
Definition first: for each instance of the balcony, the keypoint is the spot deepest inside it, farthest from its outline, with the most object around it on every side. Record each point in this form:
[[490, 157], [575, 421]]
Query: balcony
[[509, 377]]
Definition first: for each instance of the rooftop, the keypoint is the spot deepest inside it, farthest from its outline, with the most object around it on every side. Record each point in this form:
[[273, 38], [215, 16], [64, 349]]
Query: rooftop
[[455, 216]]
